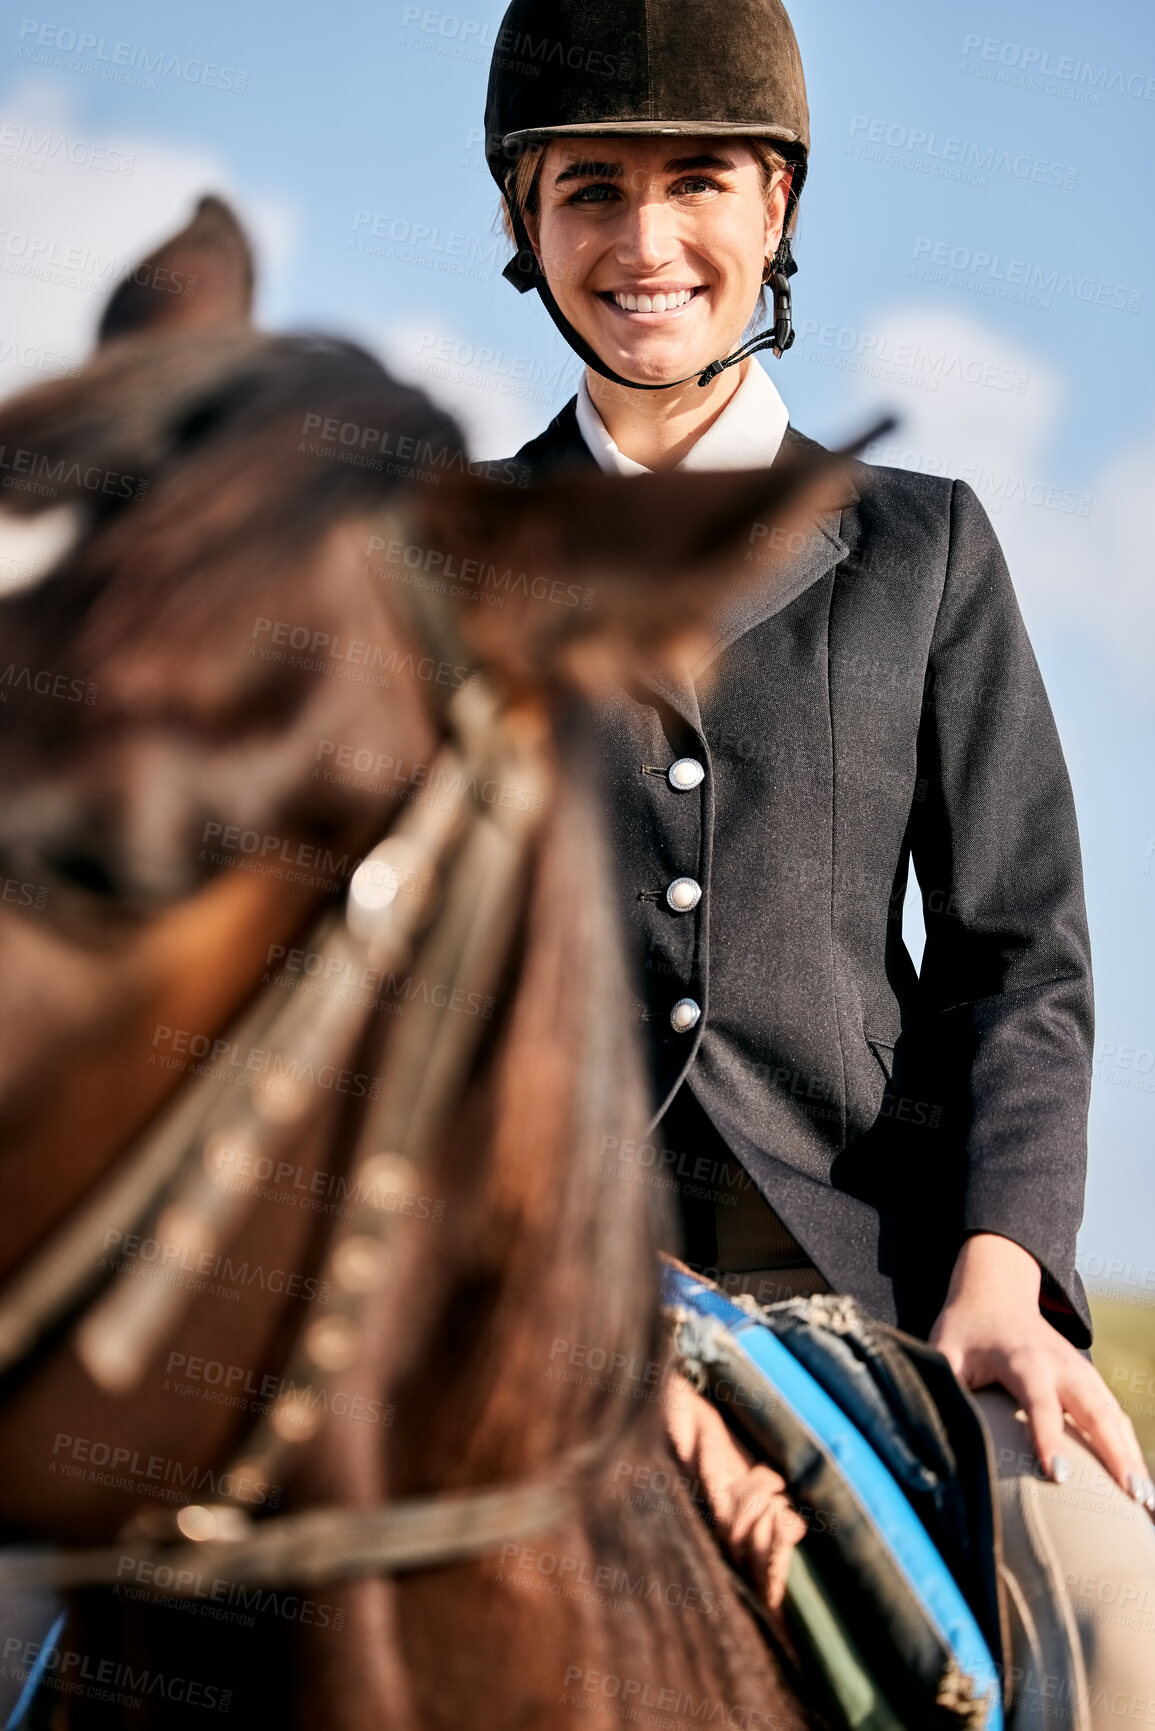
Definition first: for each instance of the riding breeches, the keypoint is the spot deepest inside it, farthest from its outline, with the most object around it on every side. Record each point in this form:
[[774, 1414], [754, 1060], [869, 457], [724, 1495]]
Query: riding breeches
[[1079, 1569]]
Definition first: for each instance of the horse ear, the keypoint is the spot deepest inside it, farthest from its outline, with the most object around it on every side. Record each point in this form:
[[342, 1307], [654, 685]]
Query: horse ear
[[572, 579], [199, 279]]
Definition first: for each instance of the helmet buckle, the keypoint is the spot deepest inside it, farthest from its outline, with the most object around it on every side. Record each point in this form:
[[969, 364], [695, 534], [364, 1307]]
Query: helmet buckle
[[779, 282]]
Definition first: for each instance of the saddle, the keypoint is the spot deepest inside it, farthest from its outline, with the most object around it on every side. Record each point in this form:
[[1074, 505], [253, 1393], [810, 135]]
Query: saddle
[[894, 1598]]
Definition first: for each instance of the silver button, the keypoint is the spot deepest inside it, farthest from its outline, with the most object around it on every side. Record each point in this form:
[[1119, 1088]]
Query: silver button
[[685, 1015], [684, 894], [687, 773]]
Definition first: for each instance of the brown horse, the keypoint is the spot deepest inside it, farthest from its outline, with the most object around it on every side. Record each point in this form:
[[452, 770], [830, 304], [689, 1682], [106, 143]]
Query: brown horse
[[248, 667]]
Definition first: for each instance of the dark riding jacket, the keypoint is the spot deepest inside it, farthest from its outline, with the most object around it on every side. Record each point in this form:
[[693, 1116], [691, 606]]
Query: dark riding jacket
[[876, 704]]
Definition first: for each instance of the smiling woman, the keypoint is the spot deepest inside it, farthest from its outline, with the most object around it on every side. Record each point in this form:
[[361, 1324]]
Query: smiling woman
[[915, 1138], [657, 254]]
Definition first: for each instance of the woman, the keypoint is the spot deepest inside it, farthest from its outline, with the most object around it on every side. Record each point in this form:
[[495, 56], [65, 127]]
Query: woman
[[838, 1121]]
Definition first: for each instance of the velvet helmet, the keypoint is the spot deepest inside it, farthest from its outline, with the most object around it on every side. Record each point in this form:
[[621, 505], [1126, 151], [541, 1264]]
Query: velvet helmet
[[646, 68]]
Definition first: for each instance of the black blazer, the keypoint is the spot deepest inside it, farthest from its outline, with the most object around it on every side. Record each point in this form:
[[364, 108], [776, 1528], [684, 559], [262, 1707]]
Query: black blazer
[[881, 706]]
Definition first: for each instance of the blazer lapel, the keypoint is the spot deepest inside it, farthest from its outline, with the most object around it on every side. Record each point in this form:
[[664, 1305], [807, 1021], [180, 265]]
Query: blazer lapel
[[674, 683], [562, 446], [822, 548]]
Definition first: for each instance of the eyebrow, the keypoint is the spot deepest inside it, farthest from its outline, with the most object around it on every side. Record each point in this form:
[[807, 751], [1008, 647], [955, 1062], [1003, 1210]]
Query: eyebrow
[[613, 170]]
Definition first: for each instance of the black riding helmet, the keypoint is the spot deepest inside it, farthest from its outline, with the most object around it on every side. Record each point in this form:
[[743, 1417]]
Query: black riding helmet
[[646, 68]]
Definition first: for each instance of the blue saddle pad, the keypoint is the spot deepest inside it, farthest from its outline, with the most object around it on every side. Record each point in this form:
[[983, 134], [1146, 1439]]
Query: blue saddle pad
[[891, 1588]]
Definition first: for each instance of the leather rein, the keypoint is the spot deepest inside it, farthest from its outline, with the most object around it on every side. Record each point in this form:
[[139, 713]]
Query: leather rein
[[440, 894]]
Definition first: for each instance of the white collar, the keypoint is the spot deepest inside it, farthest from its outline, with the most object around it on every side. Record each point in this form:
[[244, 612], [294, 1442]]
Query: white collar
[[747, 434]]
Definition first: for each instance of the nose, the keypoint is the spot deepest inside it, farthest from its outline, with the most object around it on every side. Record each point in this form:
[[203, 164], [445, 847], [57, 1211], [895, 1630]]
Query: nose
[[647, 241]]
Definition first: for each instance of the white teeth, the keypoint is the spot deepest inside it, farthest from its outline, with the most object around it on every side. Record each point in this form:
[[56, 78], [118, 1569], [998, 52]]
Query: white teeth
[[664, 303]]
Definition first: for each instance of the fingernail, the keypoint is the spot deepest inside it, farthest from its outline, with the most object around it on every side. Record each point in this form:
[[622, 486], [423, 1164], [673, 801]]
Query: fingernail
[[1137, 1487], [1060, 1469]]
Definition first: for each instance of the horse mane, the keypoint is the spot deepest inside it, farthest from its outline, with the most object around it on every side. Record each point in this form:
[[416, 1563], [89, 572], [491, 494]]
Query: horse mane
[[547, 1252], [231, 499]]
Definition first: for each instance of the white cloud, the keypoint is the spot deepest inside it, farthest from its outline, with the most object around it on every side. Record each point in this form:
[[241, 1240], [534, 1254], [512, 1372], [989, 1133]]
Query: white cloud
[[499, 400], [70, 227], [1078, 545]]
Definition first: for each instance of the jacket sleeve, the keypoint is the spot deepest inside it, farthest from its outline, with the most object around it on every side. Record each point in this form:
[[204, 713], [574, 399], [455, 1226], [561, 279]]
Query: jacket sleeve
[[1005, 983]]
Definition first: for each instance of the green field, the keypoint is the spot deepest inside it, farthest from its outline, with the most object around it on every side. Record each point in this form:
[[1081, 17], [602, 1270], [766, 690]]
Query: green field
[[1124, 1354]]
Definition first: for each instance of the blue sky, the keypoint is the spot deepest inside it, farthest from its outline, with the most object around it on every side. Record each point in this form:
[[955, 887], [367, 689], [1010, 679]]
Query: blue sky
[[976, 256]]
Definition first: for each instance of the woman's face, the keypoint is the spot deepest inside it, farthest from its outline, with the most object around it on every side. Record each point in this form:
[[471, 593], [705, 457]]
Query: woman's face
[[654, 247]]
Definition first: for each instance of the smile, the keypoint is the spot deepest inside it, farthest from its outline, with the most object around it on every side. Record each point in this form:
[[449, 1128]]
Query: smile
[[672, 301]]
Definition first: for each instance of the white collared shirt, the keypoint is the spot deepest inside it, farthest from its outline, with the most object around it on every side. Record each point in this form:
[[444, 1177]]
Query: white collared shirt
[[747, 434]]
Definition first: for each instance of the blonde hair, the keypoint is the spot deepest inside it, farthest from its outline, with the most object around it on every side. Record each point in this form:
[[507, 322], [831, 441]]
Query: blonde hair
[[521, 181]]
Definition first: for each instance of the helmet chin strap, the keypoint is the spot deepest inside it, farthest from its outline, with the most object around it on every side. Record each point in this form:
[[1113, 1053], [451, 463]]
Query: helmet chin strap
[[525, 273]]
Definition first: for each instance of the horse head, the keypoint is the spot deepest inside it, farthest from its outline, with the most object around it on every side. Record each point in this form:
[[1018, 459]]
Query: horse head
[[288, 618]]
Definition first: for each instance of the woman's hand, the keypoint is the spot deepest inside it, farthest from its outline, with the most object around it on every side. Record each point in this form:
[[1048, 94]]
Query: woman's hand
[[991, 1331], [755, 1520]]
